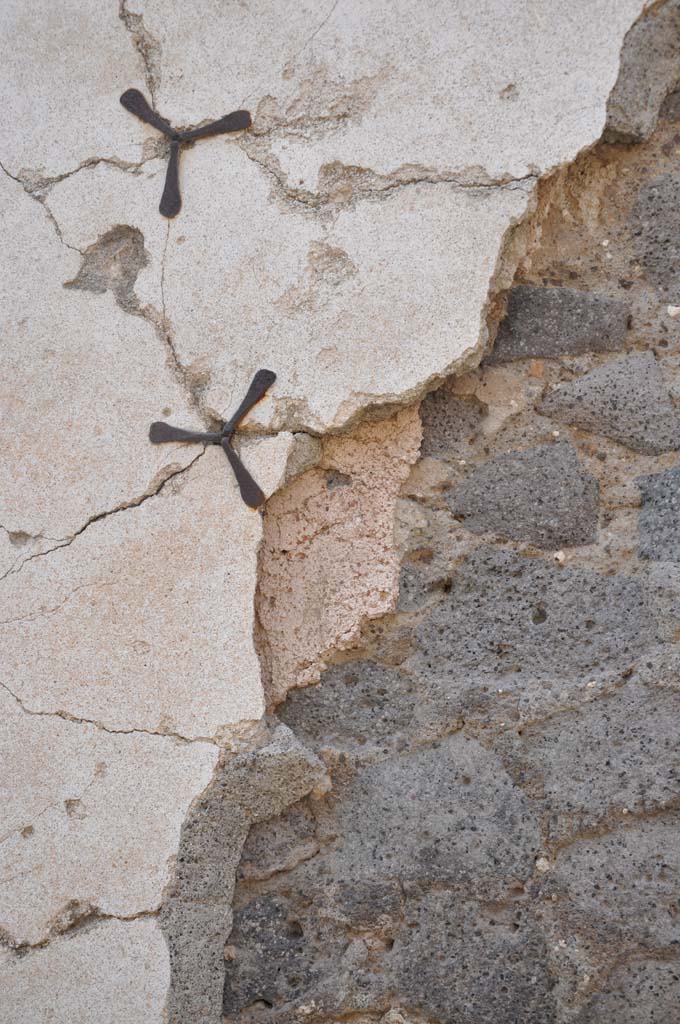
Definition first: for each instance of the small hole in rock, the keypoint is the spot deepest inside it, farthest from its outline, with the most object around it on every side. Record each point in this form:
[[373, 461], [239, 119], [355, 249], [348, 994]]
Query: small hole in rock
[[539, 614]]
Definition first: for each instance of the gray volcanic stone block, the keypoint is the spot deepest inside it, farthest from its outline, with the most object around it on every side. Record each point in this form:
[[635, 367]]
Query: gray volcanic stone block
[[655, 225], [521, 621], [626, 400], [659, 519], [541, 495], [449, 421], [195, 916], [621, 888], [366, 710], [580, 787], [551, 322], [649, 69], [446, 814], [455, 964], [641, 992]]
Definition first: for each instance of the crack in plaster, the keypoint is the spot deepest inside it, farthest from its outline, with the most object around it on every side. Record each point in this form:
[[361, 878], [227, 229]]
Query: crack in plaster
[[77, 916], [167, 473], [67, 717], [341, 183], [148, 48]]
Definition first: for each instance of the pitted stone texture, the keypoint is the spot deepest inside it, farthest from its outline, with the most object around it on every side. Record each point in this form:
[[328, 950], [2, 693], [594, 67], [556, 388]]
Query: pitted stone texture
[[529, 627], [625, 399], [71, 114], [78, 366], [430, 951], [342, 77], [454, 962], [590, 766], [196, 915], [648, 72], [329, 559], [71, 980], [450, 422], [640, 992], [659, 519], [335, 929], [620, 887], [145, 621], [417, 819], [541, 495], [363, 709], [91, 819], [655, 225], [547, 323]]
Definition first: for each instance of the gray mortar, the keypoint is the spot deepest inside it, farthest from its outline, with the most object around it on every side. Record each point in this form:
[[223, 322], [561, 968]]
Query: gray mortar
[[551, 322], [625, 399]]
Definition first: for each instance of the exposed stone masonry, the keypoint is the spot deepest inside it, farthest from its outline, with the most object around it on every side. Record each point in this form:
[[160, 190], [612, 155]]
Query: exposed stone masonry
[[500, 842]]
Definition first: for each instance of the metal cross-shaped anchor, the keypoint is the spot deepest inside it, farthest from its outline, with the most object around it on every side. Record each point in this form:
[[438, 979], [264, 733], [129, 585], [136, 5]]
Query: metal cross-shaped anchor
[[251, 493], [171, 200]]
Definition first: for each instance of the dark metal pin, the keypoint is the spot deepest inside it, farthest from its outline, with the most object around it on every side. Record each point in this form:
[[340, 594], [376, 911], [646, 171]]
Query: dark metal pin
[[134, 101], [252, 494]]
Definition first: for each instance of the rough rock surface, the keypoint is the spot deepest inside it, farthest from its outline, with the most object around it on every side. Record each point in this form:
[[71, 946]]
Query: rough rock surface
[[541, 495], [660, 516], [547, 322], [626, 400], [649, 72], [656, 223], [196, 914]]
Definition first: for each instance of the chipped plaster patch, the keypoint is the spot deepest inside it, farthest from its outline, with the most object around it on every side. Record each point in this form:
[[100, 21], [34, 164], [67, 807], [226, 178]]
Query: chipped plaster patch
[[329, 560]]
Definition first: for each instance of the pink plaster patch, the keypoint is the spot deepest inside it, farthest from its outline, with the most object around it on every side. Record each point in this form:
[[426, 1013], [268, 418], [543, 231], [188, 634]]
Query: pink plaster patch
[[328, 560]]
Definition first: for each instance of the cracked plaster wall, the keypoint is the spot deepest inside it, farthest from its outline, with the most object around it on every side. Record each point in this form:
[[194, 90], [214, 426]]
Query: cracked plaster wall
[[410, 849]]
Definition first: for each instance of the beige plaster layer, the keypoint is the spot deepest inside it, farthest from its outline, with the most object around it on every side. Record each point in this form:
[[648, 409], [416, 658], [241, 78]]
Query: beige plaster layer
[[145, 620], [90, 820], [329, 560], [351, 312], [112, 972], [503, 87], [82, 381], [353, 235], [64, 67]]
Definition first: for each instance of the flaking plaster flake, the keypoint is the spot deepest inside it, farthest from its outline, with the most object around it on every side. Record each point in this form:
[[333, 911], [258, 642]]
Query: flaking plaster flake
[[83, 381], [361, 145], [65, 67], [145, 620]]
